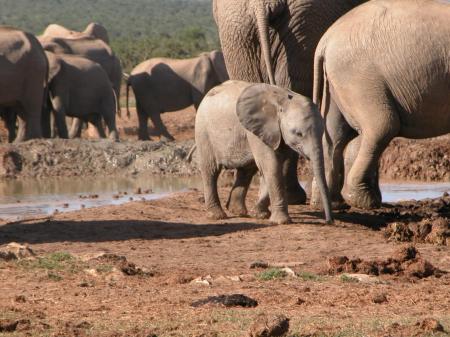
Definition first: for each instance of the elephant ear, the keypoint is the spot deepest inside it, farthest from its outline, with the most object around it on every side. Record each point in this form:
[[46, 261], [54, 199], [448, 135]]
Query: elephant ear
[[258, 109], [54, 65]]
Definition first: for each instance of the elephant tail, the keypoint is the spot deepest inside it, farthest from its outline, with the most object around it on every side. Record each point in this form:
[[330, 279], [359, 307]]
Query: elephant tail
[[263, 29], [321, 86]]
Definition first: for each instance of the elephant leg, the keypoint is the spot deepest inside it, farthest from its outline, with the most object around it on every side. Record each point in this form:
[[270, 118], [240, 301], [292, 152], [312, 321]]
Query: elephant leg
[[295, 193], [238, 193], [143, 121], [96, 121], [109, 115], [20, 136], [60, 117], [10, 118], [338, 135], [380, 126], [159, 126], [262, 206], [210, 174], [270, 164], [75, 128]]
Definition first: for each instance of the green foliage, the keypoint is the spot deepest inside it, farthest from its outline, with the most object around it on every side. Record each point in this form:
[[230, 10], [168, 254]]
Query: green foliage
[[271, 274], [138, 29], [348, 279], [307, 276], [58, 261]]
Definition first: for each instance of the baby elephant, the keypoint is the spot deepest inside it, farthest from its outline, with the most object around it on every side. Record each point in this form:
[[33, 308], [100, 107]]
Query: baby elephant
[[81, 88], [249, 127]]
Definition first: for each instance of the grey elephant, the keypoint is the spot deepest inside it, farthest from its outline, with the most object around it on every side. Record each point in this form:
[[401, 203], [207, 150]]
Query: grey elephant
[[273, 41], [23, 78], [163, 85], [249, 127], [382, 71], [95, 50], [93, 30], [80, 88]]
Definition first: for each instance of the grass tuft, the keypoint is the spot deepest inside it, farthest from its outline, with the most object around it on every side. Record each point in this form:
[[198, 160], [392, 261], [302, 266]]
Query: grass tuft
[[271, 274]]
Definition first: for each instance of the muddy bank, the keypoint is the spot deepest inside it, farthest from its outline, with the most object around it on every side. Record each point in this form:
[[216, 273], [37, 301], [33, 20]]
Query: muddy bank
[[415, 160], [66, 158]]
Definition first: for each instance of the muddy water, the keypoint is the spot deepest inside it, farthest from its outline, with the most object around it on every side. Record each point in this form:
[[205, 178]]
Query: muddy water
[[28, 198]]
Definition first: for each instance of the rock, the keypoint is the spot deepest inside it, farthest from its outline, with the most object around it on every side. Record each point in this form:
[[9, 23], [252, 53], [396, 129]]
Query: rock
[[364, 278], [259, 264], [206, 281], [431, 325], [234, 300], [269, 326], [20, 299], [379, 298], [15, 251], [289, 272]]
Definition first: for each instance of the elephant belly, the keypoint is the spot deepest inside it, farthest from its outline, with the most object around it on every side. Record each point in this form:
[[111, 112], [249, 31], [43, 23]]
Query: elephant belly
[[430, 118], [232, 149]]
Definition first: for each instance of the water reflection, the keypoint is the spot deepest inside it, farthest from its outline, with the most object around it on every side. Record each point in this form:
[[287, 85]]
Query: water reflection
[[26, 198]]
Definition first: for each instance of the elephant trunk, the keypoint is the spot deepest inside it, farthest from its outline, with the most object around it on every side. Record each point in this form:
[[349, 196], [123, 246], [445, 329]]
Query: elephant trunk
[[263, 30], [319, 173]]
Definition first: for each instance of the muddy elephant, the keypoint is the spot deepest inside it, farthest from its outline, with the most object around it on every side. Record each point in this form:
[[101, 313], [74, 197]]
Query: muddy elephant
[[81, 88], [93, 49], [248, 127], [273, 41], [93, 30], [23, 78], [163, 85], [381, 78]]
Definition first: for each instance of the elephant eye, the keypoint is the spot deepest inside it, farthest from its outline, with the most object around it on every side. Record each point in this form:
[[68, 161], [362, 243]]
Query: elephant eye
[[290, 97], [297, 133]]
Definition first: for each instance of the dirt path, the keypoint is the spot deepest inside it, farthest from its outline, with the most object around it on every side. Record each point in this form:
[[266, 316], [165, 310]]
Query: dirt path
[[172, 244]]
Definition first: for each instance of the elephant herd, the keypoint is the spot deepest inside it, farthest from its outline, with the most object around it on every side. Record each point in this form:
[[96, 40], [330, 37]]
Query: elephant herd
[[307, 77], [376, 69], [76, 74]]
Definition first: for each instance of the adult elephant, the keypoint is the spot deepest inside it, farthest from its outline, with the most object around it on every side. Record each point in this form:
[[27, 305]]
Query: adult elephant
[[80, 88], [95, 50], [163, 84], [93, 30], [23, 78], [381, 78], [273, 41]]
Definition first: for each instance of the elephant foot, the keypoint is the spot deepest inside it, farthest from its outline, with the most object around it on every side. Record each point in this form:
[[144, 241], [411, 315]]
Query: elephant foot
[[167, 139], [261, 212], [280, 218], [216, 214], [296, 195], [238, 211], [363, 198]]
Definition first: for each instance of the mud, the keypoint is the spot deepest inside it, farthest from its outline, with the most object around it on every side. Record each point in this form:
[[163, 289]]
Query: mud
[[67, 158], [416, 160], [234, 300], [431, 230], [406, 262]]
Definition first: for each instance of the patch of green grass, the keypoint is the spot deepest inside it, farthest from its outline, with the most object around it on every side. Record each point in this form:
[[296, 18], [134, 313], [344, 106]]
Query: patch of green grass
[[308, 276], [54, 276], [348, 279], [104, 268], [52, 262], [271, 274]]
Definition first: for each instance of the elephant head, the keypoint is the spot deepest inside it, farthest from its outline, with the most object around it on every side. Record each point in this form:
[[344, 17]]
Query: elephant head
[[275, 115], [97, 31], [218, 62]]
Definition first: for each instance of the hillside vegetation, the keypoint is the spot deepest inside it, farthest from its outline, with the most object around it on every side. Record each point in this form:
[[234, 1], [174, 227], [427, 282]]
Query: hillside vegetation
[[139, 29]]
